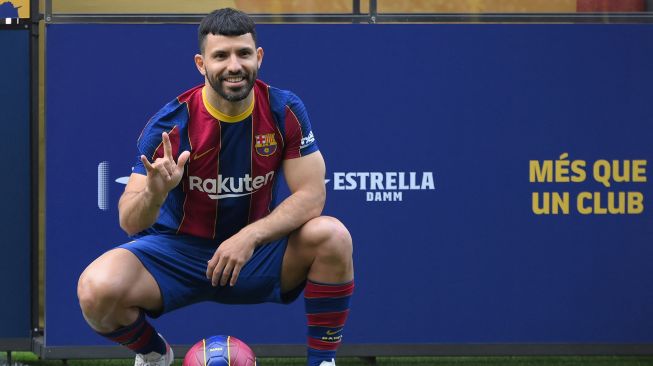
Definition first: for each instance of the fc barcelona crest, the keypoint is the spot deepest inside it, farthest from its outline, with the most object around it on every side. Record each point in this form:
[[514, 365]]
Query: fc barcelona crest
[[265, 144]]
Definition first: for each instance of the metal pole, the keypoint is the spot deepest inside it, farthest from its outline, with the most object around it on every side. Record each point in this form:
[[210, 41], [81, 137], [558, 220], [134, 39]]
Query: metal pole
[[48, 10], [34, 143], [373, 11]]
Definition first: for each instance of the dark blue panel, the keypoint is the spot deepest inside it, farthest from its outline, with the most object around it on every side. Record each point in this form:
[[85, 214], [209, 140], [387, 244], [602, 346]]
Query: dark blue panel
[[465, 262], [15, 280]]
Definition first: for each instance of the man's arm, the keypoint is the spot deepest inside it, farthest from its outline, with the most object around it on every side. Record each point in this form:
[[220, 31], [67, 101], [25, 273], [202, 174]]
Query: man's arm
[[144, 194], [305, 178], [138, 207]]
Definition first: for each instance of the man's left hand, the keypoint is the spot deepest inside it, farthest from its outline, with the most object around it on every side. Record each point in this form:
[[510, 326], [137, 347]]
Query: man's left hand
[[229, 259]]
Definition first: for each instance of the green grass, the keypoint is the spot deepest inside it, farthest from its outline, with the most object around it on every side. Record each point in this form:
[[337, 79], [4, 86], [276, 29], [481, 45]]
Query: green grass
[[27, 358]]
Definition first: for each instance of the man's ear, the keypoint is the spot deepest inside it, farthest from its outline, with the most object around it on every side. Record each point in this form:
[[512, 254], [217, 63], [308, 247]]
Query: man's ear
[[259, 56], [199, 62]]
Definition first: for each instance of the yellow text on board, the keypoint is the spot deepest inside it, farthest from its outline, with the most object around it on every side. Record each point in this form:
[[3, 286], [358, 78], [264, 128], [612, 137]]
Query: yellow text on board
[[618, 192]]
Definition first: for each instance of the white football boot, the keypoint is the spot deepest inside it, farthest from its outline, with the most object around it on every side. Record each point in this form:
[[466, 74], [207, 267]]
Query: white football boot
[[329, 363], [156, 359]]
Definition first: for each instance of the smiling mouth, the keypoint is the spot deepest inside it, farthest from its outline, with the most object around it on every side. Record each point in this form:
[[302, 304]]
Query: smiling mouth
[[234, 79]]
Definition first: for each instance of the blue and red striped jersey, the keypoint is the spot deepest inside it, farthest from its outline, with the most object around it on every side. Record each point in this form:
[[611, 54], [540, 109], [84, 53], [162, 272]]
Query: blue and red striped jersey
[[230, 179]]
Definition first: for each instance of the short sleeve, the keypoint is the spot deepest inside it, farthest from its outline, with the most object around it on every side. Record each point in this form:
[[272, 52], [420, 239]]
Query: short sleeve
[[149, 143], [300, 140]]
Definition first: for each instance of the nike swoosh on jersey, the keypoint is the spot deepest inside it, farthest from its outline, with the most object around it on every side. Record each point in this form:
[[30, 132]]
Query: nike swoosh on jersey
[[198, 155]]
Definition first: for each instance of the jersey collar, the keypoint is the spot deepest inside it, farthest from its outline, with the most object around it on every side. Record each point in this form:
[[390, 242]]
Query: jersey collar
[[225, 117]]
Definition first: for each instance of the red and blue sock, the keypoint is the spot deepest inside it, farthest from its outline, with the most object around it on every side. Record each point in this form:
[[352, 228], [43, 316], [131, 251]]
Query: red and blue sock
[[139, 337], [327, 308]]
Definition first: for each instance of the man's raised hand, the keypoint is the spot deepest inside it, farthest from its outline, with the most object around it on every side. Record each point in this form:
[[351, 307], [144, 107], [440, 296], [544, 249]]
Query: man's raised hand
[[164, 174]]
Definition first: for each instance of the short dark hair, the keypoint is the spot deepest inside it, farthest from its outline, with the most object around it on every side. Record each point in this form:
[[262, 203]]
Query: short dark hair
[[226, 22]]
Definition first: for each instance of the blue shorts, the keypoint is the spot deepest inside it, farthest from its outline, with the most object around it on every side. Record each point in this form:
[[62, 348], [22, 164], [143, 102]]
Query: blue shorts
[[178, 264]]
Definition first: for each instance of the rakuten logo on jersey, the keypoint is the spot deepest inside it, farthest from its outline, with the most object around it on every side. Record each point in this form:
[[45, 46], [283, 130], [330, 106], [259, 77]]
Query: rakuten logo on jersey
[[383, 186], [227, 187]]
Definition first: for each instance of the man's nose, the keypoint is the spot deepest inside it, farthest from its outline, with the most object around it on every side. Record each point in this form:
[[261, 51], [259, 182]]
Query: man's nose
[[234, 65]]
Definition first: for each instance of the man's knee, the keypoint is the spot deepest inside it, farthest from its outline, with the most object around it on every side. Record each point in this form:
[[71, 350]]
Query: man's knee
[[329, 236], [97, 292]]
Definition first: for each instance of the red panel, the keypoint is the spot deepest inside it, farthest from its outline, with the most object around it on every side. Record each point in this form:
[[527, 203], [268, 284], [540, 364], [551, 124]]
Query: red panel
[[335, 319], [263, 124], [293, 135], [315, 290], [200, 210]]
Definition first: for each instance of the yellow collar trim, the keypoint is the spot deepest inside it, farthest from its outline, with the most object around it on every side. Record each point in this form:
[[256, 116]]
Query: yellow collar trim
[[222, 117]]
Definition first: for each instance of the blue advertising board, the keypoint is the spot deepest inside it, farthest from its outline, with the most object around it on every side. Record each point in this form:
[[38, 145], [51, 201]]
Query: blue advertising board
[[15, 264], [494, 177]]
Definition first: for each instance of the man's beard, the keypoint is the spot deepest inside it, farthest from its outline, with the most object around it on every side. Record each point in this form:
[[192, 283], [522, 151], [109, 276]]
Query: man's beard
[[228, 93]]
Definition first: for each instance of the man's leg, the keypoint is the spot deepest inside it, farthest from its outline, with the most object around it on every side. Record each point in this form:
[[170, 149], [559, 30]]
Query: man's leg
[[320, 253], [113, 291]]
